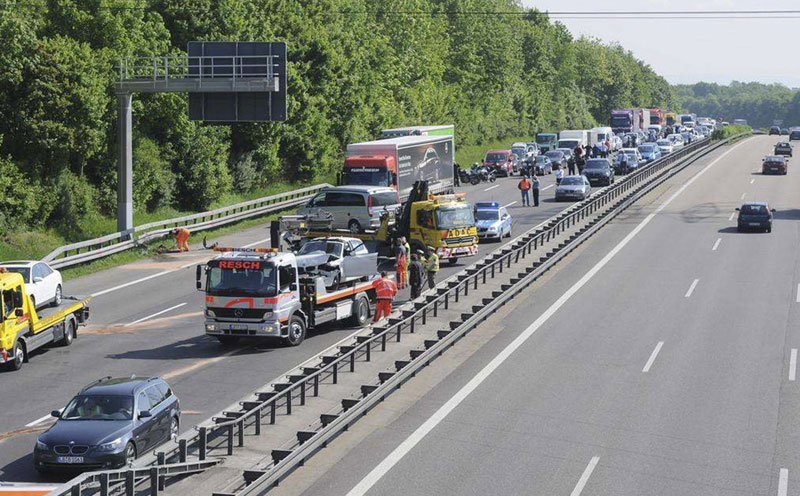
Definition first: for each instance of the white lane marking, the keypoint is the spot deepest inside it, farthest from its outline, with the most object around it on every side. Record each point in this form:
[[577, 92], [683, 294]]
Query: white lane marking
[[743, 195], [752, 181], [652, 358], [585, 476], [155, 314], [691, 288], [783, 482], [186, 266], [250, 245], [39, 421], [548, 187], [716, 244], [505, 206], [412, 440], [131, 283], [733, 214], [793, 365], [492, 187]]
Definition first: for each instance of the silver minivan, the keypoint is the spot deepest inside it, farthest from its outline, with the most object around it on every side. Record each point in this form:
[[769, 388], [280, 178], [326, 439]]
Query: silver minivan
[[354, 208]]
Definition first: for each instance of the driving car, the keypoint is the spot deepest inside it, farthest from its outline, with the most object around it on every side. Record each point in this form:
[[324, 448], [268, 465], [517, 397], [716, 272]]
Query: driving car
[[774, 164], [775, 130], [794, 135], [542, 165], [665, 146], [754, 216], [784, 131], [783, 148], [337, 260], [108, 424], [42, 282], [557, 158], [502, 161], [650, 152], [573, 188], [599, 171], [492, 221]]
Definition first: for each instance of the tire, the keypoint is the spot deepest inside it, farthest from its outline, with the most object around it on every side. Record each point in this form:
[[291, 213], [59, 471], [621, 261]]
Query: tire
[[769, 229], [18, 354], [297, 331], [130, 453], [360, 315], [174, 427], [354, 226], [69, 333], [58, 297], [474, 180], [228, 340]]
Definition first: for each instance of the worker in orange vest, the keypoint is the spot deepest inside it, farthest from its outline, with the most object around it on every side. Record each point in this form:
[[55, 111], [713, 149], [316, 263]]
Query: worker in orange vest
[[385, 289], [181, 237], [401, 257]]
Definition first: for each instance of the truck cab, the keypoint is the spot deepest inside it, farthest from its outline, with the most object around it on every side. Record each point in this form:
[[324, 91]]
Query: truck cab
[[547, 141], [446, 223]]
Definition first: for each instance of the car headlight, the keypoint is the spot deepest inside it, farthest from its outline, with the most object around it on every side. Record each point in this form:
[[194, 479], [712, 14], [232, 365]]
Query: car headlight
[[267, 315], [112, 446], [211, 327], [41, 446], [210, 313]]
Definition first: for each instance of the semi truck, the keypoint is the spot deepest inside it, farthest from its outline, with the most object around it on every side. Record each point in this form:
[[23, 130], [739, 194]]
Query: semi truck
[[443, 130], [624, 121], [260, 293], [400, 162], [23, 329], [656, 118]]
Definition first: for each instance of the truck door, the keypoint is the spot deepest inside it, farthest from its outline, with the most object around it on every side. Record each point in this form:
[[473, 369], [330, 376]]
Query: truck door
[[13, 324]]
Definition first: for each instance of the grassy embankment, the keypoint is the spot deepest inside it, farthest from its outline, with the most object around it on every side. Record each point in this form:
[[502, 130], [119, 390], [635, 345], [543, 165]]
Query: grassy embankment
[[728, 131]]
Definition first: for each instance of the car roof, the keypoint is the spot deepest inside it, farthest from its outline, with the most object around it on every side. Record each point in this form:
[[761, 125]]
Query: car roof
[[775, 157], [20, 263], [119, 385], [757, 203]]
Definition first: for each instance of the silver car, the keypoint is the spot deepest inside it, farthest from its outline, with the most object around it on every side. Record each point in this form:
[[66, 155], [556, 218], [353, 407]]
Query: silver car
[[337, 260], [573, 188], [355, 208]]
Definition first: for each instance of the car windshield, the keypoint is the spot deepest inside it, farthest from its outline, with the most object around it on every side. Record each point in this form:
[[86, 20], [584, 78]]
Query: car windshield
[[571, 181], [647, 148], [453, 218], [554, 155], [366, 176], [495, 157], [620, 121], [25, 272], [487, 214], [544, 139], [542, 159], [754, 209], [597, 164], [241, 277], [323, 246], [663, 142], [99, 407]]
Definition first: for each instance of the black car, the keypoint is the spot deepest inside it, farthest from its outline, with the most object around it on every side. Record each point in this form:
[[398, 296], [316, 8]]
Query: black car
[[755, 216], [774, 164], [108, 424], [599, 171], [783, 148], [543, 165], [775, 130], [784, 131], [558, 159]]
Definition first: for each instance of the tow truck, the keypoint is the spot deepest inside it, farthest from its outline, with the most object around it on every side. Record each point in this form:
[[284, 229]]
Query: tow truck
[[445, 223], [23, 329], [259, 293]]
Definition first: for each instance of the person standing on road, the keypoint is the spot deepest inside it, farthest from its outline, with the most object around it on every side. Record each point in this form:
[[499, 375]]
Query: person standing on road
[[525, 188], [181, 235], [408, 253], [571, 165], [416, 275], [535, 190], [400, 255], [623, 162], [385, 290], [431, 267], [559, 176], [456, 174]]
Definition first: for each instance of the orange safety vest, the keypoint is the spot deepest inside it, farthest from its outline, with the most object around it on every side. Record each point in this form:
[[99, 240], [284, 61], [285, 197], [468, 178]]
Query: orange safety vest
[[385, 289]]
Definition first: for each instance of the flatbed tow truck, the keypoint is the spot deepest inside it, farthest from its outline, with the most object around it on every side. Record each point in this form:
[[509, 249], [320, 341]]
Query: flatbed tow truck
[[444, 223], [258, 293], [23, 329]]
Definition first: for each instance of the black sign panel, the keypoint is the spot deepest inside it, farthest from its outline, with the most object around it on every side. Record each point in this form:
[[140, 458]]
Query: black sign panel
[[242, 61]]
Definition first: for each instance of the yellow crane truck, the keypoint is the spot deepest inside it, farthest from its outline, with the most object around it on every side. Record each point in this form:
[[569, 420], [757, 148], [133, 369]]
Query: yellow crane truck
[[23, 329]]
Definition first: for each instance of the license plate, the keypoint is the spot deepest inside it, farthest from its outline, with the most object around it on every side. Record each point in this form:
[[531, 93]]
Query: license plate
[[69, 459], [755, 223], [238, 327]]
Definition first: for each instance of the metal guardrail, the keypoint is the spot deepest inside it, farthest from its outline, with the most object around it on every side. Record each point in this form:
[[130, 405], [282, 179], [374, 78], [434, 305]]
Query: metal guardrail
[[231, 429], [93, 249]]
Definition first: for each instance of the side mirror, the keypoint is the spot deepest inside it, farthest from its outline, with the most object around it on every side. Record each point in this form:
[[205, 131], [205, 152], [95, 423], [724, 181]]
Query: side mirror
[[198, 275], [738, 209], [38, 279], [56, 413], [145, 414], [773, 210]]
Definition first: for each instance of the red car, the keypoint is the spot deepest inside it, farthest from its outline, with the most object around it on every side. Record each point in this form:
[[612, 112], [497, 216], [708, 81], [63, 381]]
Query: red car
[[502, 161]]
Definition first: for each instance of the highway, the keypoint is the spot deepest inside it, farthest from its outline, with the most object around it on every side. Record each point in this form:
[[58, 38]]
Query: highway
[[147, 320], [660, 359]]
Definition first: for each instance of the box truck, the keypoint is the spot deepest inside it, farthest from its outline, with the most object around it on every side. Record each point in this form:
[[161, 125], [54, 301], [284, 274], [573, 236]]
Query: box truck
[[572, 138], [400, 162]]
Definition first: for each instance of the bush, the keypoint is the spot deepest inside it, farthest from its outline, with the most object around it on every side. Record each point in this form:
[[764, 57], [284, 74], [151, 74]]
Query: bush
[[244, 173], [75, 199], [153, 181], [728, 131]]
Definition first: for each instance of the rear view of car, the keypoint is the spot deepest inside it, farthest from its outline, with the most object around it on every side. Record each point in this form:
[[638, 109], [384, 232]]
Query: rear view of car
[[501, 161], [775, 130], [783, 148], [755, 216], [774, 164]]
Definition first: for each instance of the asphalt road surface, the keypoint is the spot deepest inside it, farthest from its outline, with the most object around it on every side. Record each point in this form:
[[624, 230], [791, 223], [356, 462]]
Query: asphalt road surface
[[659, 360], [147, 320]]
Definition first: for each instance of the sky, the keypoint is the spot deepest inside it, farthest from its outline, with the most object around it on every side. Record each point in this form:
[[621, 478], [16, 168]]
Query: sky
[[724, 50]]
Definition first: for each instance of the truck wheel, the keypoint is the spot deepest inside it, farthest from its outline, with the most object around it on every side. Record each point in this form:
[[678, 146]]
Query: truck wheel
[[228, 340], [297, 331], [360, 312], [57, 298], [354, 226], [69, 333], [18, 353]]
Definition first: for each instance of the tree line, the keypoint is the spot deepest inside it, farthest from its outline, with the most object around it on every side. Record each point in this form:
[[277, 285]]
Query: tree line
[[355, 67]]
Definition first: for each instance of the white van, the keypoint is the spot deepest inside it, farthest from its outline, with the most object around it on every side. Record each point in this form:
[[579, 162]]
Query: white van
[[353, 207], [601, 135]]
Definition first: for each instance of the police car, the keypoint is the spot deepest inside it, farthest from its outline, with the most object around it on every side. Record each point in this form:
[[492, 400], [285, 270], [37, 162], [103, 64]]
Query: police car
[[492, 221]]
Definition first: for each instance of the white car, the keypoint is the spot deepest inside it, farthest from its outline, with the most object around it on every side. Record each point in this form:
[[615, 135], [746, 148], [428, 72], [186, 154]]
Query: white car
[[665, 146], [677, 141], [42, 283]]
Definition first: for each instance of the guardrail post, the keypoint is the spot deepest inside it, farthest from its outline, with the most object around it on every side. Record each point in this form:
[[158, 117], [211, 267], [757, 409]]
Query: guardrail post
[[240, 433], [335, 372], [425, 313], [104, 484], [447, 300], [203, 443], [230, 439], [258, 421], [272, 412], [436, 307], [466, 289], [316, 385], [398, 331], [129, 483], [182, 451], [75, 490], [303, 393], [289, 401], [458, 289], [383, 342], [353, 357], [154, 481], [368, 351]]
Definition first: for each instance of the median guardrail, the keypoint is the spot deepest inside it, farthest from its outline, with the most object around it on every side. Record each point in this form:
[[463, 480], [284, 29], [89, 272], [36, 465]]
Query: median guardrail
[[228, 431], [93, 249]]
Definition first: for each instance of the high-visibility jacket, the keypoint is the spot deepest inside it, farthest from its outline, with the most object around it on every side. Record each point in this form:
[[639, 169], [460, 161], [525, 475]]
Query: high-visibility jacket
[[432, 263], [385, 289]]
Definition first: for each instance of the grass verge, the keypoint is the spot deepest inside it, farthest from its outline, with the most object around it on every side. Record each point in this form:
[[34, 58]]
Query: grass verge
[[468, 155]]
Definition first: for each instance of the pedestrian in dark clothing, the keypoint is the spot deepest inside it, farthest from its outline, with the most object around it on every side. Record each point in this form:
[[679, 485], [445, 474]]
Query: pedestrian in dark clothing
[[416, 276], [456, 174], [571, 166], [535, 190]]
